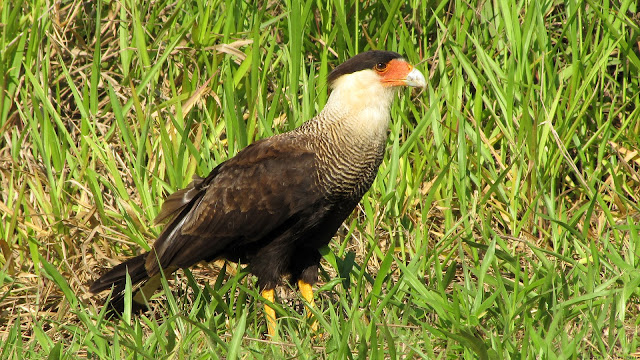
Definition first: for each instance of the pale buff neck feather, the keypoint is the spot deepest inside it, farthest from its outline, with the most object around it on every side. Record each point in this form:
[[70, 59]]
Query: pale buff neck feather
[[349, 134], [358, 108]]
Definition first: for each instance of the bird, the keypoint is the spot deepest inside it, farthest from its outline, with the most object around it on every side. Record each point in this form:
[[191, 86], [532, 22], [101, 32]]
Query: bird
[[281, 199]]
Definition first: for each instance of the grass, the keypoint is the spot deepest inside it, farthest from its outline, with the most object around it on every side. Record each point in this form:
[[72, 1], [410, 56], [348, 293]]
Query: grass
[[504, 222]]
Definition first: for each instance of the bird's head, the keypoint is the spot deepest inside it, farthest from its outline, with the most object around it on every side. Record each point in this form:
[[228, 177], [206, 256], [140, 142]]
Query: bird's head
[[377, 68], [365, 85]]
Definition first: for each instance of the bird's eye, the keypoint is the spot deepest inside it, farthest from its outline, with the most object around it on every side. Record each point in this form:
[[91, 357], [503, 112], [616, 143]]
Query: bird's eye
[[380, 67]]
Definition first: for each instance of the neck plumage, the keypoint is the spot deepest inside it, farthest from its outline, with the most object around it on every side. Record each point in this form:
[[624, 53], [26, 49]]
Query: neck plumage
[[356, 112], [349, 137]]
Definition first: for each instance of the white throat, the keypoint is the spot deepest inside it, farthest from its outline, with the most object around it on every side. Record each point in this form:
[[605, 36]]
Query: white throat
[[360, 105]]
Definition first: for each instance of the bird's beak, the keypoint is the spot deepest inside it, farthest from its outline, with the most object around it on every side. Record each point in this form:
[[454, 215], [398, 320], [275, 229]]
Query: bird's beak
[[415, 78]]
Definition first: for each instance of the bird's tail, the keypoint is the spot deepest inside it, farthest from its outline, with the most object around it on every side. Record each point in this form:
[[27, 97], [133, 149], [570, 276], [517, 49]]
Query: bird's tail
[[116, 279]]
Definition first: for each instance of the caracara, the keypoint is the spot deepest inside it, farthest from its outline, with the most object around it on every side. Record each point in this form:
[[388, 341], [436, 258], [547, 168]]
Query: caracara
[[279, 200]]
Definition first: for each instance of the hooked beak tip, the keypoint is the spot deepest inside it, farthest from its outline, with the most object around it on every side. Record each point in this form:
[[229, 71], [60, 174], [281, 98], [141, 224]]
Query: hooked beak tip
[[415, 79]]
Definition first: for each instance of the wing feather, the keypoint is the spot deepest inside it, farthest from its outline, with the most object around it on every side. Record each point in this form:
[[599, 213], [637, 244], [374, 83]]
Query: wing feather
[[241, 202], [178, 200]]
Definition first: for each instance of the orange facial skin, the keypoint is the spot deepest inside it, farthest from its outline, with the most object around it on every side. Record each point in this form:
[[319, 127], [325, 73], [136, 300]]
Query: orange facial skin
[[395, 73]]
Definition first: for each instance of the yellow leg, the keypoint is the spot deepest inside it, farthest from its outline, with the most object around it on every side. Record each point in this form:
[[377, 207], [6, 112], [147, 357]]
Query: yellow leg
[[269, 313], [307, 293]]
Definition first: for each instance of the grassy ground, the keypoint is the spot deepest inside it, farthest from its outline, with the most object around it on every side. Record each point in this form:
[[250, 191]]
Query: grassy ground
[[504, 222]]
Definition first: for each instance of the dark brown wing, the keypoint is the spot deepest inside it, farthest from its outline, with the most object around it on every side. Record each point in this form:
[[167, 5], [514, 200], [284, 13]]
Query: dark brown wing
[[266, 186]]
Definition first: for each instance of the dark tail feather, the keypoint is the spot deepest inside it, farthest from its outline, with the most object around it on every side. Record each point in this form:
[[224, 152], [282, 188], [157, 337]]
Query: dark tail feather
[[116, 279]]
